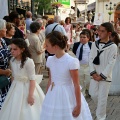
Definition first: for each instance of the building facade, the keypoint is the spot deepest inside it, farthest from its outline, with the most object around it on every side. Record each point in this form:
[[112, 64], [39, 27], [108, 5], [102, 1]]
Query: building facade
[[3, 8], [110, 9]]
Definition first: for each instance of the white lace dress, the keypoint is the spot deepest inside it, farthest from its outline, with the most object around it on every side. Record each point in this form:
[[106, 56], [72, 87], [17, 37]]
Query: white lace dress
[[60, 100], [16, 106]]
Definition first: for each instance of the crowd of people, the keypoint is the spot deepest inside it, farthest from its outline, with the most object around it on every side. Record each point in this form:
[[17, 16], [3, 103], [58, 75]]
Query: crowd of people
[[25, 45]]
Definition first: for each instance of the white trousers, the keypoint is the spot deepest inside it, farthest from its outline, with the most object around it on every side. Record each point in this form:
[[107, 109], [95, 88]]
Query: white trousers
[[99, 93], [84, 78]]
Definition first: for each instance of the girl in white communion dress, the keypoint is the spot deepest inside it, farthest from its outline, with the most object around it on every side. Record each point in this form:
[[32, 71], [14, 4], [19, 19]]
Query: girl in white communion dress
[[24, 99], [63, 100], [115, 84]]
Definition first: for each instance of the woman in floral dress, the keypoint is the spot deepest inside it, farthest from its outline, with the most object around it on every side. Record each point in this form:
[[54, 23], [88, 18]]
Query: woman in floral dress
[[4, 60]]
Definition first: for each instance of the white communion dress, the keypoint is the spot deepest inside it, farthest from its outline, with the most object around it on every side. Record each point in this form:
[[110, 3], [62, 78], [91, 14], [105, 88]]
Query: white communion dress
[[16, 106], [115, 84], [60, 99]]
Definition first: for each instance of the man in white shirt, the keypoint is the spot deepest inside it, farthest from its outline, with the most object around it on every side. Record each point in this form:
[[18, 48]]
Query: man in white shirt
[[55, 26]]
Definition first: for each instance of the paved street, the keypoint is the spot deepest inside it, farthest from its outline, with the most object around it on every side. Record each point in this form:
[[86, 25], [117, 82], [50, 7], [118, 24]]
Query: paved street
[[113, 106]]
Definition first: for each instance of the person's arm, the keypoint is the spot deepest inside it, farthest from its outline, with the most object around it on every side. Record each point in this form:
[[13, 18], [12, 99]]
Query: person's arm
[[91, 58], [111, 61], [73, 49], [6, 72], [62, 30], [31, 92], [49, 73], [49, 82], [75, 78], [39, 52], [71, 31], [93, 73], [73, 67], [30, 68], [38, 46]]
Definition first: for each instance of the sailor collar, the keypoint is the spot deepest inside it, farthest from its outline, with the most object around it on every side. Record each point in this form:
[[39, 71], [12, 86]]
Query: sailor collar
[[109, 43]]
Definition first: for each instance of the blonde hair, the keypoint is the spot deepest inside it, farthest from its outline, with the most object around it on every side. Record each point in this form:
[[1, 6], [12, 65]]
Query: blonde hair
[[9, 26], [62, 22]]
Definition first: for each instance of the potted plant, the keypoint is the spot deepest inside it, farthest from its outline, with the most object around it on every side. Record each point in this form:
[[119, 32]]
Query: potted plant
[[110, 12], [56, 4]]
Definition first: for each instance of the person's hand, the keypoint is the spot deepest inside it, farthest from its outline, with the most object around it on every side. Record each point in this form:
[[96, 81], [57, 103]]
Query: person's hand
[[12, 78], [8, 72], [76, 111], [99, 78], [39, 52], [30, 100]]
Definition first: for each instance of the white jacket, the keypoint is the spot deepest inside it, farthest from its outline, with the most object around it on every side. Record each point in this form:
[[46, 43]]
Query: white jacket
[[107, 60]]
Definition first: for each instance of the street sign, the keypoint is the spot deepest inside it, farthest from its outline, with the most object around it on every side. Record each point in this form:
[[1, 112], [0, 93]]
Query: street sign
[[65, 3]]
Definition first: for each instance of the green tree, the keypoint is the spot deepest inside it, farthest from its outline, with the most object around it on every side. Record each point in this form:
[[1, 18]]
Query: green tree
[[43, 5]]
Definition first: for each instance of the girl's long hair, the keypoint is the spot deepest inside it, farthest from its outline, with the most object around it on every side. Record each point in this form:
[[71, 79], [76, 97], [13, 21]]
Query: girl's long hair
[[22, 45], [116, 37]]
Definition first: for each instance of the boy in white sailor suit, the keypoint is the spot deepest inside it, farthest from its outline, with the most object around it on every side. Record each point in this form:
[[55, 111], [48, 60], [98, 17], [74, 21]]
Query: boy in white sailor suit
[[82, 50], [102, 58]]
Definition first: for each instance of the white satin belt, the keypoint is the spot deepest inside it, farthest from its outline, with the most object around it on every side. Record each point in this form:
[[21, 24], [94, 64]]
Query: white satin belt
[[62, 83], [21, 78]]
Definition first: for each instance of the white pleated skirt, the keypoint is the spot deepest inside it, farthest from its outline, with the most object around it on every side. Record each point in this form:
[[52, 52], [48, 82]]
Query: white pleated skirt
[[60, 102]]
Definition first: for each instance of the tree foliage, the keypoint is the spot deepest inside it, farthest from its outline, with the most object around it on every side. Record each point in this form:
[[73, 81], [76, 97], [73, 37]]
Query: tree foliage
[[43, 5]]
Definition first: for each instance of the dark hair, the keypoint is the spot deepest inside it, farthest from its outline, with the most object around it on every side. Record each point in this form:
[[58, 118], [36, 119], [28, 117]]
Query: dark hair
[[28, 15], [22, 44], [45, 17], [116, 37], [6, 18], [94, 29], [74, 26], [85, 33], [35, 26], [67, 18], [88, 33], [108, 26], [13, 15], [50, 21], [57, 38]]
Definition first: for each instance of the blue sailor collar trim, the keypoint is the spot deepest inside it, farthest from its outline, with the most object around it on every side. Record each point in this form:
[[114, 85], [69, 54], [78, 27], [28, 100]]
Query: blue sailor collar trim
[[106, 44]]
